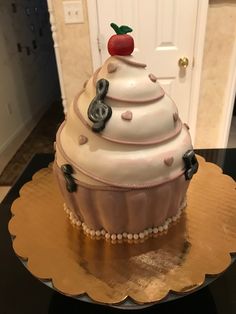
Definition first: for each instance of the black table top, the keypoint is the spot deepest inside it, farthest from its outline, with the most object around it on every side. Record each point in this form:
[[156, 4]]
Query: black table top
[[20, 292]]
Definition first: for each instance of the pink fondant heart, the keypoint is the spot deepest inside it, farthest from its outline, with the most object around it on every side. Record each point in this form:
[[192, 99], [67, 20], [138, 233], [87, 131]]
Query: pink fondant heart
[[83, 139], [187, 126], [152, 77], [111, 67], [127, 115], [169, 161], [175, 116], [85, 83]]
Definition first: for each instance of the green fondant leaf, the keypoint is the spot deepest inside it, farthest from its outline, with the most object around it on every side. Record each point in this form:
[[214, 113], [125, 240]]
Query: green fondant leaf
[[116, 28], [124, 29]]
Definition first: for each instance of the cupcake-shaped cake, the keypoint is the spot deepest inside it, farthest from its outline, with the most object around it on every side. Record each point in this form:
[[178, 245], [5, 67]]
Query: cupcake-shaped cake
[[124, 159]]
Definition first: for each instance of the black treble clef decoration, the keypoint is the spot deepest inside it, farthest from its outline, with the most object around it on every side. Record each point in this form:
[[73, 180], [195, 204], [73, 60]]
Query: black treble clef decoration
[[67, 171], [191, 164], [98, 111]]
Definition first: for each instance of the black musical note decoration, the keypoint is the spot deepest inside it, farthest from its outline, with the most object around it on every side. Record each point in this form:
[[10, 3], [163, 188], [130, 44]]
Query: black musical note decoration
[[98, 111], [191, 164], [67, 171]]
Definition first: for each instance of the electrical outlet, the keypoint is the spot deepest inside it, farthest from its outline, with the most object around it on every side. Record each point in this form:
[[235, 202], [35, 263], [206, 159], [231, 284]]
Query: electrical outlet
[[73, 12]]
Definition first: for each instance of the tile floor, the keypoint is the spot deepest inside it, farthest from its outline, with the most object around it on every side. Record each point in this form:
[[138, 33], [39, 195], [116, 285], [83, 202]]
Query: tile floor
[[231, 144], [40, 140]]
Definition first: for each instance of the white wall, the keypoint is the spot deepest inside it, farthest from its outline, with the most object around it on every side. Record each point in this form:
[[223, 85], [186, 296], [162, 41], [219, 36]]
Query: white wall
[[217, 75], [28, 83]]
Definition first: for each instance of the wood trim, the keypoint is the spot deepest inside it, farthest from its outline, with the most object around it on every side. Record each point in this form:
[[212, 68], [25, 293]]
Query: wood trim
[[94, 33], [57, 53], [197, 66]]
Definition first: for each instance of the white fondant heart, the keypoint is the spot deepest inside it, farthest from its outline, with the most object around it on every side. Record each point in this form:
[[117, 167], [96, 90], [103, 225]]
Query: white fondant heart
[[111, 67], [83, 139], [127, 115], [169, 161]]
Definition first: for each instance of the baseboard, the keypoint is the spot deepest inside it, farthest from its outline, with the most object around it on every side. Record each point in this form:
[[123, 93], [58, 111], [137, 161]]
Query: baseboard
[[10, 147]]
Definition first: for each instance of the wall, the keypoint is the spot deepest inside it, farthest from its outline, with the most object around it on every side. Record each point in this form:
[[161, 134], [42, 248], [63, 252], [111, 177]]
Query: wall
[[74, 44], [28, 79], [74, 48], [218, 54]]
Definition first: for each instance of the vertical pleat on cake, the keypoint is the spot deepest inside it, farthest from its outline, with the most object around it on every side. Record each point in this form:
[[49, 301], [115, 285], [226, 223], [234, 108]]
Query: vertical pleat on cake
[[130, 211]]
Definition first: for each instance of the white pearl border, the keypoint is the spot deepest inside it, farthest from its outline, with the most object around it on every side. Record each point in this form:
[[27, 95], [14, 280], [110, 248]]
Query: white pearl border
[[149, 232]]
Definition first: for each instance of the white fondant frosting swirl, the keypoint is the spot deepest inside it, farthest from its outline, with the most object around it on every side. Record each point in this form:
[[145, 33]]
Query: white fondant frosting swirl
[[128, 153], [130, 83]]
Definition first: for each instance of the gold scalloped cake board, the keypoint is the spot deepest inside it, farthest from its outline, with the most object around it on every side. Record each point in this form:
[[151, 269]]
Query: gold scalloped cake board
[[198, 244]]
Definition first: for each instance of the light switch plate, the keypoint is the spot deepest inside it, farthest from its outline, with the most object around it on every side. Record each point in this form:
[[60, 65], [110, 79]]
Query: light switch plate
[[73, 12]]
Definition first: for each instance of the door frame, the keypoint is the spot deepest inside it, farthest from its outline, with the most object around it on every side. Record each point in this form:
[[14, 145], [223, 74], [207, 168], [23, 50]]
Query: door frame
[[230, 94], [197, 61], [57, 53]]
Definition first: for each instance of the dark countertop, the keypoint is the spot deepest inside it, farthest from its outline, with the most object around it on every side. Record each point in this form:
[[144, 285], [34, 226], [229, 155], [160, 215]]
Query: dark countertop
[[20, 292]]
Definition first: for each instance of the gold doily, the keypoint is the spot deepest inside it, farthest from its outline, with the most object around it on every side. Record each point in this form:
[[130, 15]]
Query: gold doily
[[199, 244]]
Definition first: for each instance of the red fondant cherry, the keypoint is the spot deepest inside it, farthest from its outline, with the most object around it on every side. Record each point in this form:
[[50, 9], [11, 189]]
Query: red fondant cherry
[[121, 44]]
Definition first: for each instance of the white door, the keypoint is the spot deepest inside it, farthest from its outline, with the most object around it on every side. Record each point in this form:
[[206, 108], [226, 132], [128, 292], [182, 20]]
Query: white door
[[164, 32]]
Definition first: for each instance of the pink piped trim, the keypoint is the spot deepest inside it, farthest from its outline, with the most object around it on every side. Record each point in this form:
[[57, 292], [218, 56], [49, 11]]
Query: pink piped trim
[[131, 62], [108, 182], [136, 101], [125, 236], [95, 76], [131, 101], [170, 135], [102, 187]]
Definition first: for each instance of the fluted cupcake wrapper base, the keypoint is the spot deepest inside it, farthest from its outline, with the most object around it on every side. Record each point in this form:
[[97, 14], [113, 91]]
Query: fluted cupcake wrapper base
[[131, 211], [125, 236]]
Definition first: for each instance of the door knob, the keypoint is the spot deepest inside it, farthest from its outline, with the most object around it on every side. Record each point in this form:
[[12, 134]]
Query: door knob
[[183, 62]]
